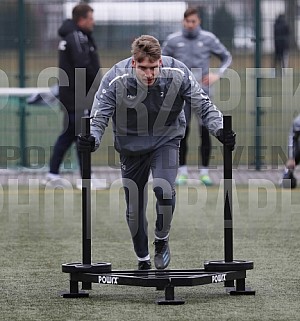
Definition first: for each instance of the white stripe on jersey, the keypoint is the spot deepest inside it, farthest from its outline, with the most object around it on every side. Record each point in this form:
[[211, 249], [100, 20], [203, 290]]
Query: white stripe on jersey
[[116, 78], [171, 68]]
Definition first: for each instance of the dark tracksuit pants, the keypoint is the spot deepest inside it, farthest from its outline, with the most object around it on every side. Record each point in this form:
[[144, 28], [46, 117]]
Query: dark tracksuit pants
[[205, 148], [296, 148], [280, 57], [71, 128], [163, 164]]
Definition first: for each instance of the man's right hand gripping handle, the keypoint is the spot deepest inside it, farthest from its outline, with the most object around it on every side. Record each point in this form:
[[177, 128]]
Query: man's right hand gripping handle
[[85, 143]]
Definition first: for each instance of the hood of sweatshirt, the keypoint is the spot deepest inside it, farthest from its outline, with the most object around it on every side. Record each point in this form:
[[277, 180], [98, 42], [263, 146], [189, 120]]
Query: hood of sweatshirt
[[67, 27]]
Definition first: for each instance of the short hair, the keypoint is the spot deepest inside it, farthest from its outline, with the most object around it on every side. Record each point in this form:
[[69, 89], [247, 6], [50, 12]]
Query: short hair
[[191, 11], [146, 46], [80, 11]]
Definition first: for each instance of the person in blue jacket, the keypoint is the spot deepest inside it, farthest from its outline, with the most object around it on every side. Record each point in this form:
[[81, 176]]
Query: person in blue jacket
[[144, 96]]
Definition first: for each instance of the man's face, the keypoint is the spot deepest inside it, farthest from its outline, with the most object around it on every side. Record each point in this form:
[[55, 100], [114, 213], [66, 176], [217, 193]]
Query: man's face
[[88, 22], [191, 22], [147, 71]]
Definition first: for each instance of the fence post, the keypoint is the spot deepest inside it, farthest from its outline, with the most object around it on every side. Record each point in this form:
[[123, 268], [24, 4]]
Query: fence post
[[22, 102], [258, 85]]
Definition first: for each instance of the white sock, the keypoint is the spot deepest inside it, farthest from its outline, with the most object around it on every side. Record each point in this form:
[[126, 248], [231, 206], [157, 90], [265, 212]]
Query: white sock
[[162, 238], [204, 171], [53, 176], [182, 170], [146, 258]]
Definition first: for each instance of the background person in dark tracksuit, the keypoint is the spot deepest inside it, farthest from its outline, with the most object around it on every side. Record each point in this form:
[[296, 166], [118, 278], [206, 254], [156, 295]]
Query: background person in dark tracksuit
[[79, 79], [281, 43], [288, 179], [194, 47], [144, 96]]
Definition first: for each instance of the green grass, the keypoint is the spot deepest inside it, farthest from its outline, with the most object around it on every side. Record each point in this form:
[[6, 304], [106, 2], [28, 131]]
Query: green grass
[[40, 230]]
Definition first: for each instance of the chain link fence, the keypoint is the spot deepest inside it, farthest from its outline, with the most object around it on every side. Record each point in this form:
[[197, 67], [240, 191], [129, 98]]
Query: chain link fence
[[262, 102]]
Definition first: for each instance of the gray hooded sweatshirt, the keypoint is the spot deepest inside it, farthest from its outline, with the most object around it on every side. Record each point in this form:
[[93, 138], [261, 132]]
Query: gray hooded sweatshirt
[[194, 49], [146, 118]]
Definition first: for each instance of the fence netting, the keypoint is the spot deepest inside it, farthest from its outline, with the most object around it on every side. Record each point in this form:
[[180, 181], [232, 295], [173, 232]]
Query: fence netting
[[29, 58]]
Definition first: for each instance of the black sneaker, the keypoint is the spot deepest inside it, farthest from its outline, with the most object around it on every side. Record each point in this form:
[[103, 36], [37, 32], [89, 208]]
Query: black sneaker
[[288, 180], [144, 265], [162, 254]]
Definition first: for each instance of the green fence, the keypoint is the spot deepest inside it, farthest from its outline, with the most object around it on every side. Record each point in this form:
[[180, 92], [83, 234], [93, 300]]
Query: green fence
[[28, 46]]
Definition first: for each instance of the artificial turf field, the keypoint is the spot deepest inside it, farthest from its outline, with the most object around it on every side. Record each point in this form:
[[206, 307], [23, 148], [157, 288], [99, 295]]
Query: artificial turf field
[[41, 229]]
